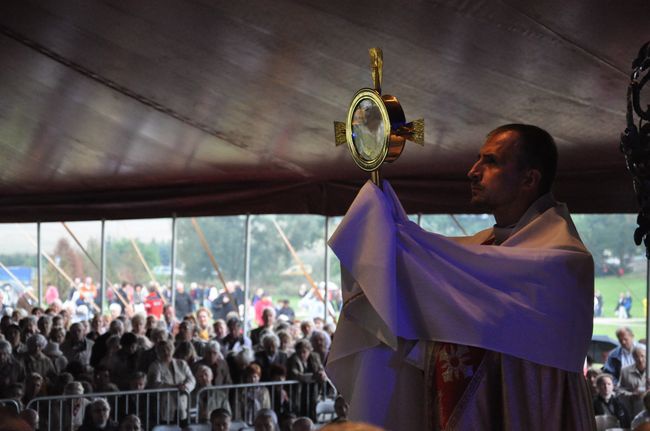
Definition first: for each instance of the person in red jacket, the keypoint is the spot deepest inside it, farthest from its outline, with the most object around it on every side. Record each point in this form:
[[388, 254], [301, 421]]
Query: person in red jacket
[[153, 303]]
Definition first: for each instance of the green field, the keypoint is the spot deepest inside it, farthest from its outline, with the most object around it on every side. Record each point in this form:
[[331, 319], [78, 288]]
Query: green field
[[611, 287]]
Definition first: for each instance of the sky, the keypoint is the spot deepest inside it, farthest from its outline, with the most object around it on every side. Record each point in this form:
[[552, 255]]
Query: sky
[[21, 237]]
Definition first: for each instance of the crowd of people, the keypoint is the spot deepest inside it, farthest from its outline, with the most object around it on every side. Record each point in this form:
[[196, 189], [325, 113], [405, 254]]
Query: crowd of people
[[53, 352], [620, 391]]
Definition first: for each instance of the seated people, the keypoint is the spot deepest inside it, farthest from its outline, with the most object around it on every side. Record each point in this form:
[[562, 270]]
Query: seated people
[[130, 423], [209, 399], [220, 420], [99, 418], [606, 403], [266, 420]]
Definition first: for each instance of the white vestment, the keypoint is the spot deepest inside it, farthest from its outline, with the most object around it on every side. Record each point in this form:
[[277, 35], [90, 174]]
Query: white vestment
[[529, 302]]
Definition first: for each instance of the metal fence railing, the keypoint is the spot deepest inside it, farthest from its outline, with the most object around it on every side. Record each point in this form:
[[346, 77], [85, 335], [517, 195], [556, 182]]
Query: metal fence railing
[[244, 400], [152, 406], [172, 406], [14, 404]]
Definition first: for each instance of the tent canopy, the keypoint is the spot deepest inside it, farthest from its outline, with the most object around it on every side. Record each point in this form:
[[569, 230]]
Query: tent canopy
[[151, 108]]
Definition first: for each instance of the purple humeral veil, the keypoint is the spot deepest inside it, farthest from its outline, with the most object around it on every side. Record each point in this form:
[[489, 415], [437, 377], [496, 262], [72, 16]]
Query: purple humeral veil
[[530, 299]]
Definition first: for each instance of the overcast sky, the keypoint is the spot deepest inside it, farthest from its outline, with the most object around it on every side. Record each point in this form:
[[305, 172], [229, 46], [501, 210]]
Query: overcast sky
[[17, 238]]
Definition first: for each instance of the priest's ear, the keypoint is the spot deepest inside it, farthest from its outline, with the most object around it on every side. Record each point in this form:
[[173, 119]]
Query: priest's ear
[[531, 180]]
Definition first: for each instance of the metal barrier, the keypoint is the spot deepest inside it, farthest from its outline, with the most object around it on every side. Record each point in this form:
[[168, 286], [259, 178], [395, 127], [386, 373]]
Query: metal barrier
[[156, 406], [244, 400], [9, 402], [152, 406]]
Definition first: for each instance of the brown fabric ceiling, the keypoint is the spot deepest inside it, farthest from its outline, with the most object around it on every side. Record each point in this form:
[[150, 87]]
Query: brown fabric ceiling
[[148, 108]]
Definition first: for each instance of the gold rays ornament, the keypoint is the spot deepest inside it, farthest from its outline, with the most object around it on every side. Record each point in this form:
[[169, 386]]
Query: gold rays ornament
[[376, 128]]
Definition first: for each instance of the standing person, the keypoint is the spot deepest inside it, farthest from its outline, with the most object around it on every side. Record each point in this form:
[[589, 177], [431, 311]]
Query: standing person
[[184, 302], [632, 384], [263, 304], [268, 319], [598, 304], [479, 298], [154, 303], [627, 303], [286, 310], [621, 310], [620, 356], [51, 293], [225, 303], [270, 355], [220, 420], [167, 372], [306, 368]]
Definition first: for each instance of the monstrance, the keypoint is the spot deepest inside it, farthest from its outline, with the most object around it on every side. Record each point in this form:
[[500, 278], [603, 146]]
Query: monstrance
[[376, 128]]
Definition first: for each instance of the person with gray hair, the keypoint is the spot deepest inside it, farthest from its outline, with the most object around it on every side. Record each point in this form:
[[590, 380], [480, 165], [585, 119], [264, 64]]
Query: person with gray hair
[[169, 372], [28, 326], [34, 361], [237, 363], [320, 342], [270, 355], [11, 370], [213, 358], [76, 347], [72, 410], [210, 399], [266, 420], [307, 369], [100, 420], [620, 356], [632, 383]]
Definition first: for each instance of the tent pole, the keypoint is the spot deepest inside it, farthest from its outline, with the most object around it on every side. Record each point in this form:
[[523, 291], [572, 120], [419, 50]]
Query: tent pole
[[647, 313], [247, 269], [102, 269], [172, 262], [326, 269], [39, 268]]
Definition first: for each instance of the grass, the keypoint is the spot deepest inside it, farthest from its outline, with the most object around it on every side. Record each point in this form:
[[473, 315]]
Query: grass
[[611, 287]]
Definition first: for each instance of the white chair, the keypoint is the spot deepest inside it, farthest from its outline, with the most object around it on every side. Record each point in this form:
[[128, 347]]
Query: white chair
[[605, 422]]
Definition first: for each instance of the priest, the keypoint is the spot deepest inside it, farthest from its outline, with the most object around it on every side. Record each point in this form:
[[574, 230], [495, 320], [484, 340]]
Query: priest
[[482, 332]]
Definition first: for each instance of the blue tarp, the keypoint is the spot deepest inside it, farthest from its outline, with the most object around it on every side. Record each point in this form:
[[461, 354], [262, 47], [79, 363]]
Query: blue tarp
[[22, 273]]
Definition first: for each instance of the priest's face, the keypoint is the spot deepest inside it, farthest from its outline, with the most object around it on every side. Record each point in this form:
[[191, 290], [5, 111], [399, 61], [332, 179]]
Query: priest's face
[[496, 177]]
